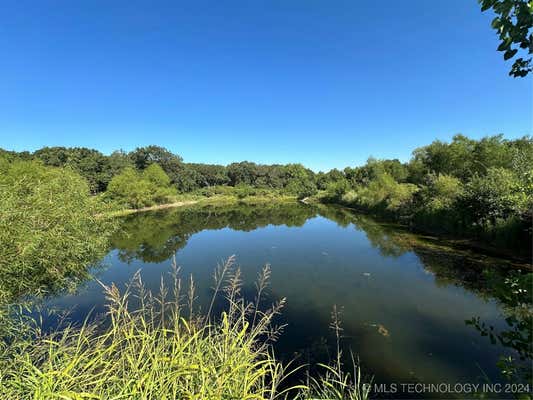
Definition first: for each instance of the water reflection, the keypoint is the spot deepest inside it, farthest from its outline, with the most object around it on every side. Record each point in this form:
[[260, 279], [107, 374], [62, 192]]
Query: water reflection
[[514, 291], [155, 237], [405, 297]]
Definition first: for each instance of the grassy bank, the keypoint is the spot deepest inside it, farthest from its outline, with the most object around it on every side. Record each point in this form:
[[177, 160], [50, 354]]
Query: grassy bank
[[199, 199], [156, 346], [506, 243]]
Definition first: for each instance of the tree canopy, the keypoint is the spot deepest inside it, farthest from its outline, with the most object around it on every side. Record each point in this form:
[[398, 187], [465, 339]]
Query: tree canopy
[[514, 24], [49, 229]]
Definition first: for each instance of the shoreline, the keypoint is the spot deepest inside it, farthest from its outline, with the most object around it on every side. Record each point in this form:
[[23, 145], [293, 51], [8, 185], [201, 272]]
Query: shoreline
[[446, 240], [128, 211], [461, 244], [214, 200]]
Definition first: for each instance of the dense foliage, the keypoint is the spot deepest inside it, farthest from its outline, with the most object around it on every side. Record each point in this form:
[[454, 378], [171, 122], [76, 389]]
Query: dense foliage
[[163, 349], [481, 188], [134, 189], [49, 229], [99, 170]]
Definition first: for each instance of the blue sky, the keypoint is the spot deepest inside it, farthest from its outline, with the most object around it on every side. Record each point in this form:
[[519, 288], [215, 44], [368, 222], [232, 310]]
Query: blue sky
[[325, 83]]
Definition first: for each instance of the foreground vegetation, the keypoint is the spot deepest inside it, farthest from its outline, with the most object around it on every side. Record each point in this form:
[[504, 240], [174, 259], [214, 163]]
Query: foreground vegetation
[[159, 348], [48, 228]]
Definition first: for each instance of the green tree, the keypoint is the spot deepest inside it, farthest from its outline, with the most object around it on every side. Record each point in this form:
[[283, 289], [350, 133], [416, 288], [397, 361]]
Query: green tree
[[442, 192], [49, 229], [453, 158], [134, 189], [209, 174], [143, 157], [497, 195], [324, 180], [130, 190], [89, 163], [437, 204], [181, 175], [156, 176], [513, 23], [336, 189], [244, 172], [299, 181], [116, 163]]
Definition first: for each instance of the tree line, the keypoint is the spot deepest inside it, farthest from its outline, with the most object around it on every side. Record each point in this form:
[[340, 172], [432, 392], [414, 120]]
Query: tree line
[[146, 169], [481, 188]]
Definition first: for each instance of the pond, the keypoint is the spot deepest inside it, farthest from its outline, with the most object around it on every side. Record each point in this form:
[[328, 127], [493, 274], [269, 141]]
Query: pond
[[404, 298]]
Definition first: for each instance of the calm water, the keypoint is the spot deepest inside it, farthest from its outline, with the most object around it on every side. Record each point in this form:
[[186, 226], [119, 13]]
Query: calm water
[[404, 304]]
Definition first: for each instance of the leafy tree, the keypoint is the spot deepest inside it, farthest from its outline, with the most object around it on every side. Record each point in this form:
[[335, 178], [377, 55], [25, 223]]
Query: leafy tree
[[325, 180], [134, 189], [465, 158], [14, 155], [142, 157], [117, 162], [496, 195], [299, 180], [89, 163], [513, 23], [244, 172], [382, 194], [49, 229], [53, 156], [336, 189], [453, 158], [185, 179], [129, 189], [374, 168], [181, 175], [395, 168], [156, 176], [441, 192], [210, 174]]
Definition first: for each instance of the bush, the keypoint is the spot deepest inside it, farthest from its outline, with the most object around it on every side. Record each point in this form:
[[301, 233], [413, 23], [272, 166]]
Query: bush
[[441, 192], [335, 190], [497, 195], [383, 194], [49, 229], [242, 191], [137, 190]]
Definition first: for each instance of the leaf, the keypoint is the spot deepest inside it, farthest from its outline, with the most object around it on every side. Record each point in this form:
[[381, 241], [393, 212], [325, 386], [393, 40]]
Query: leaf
[[505, 44], [509, 54], [486, 4]]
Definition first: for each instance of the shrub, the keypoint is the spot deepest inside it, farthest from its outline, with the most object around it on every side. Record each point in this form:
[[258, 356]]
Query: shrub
[[49, 228], [242, 191], [133, 189], [383, 194], [335, 190], [496, 195], [441, 192]]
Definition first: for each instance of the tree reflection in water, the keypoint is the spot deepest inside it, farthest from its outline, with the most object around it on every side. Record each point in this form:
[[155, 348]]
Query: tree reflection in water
[[157, 236]]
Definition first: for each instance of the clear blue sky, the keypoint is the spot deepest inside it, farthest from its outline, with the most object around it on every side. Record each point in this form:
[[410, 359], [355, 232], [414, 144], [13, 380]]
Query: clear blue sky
[[326, 83]]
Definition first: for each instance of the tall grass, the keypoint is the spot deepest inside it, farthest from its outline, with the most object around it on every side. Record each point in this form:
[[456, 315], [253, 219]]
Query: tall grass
[[155, 346]]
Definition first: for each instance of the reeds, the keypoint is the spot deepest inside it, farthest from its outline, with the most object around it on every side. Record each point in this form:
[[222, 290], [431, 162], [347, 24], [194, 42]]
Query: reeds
[[155, 346]]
